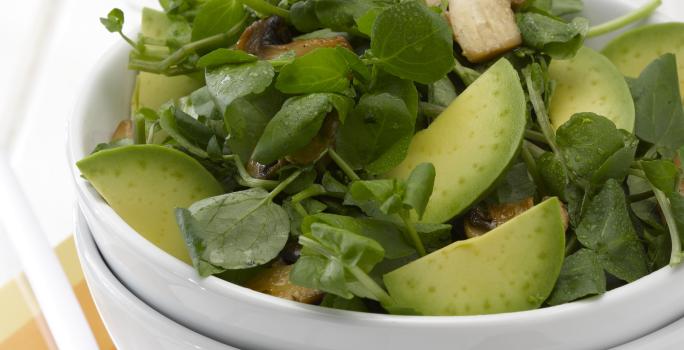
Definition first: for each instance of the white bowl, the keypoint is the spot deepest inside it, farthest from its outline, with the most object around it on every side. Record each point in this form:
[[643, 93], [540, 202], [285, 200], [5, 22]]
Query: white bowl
[[248, 319], [131, 323]]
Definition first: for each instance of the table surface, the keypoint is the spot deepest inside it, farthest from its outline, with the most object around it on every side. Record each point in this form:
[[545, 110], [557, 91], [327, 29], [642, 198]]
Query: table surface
[[53, 44]]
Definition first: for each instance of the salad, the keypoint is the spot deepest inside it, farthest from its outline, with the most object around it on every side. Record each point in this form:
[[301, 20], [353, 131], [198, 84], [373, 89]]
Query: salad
[[409, 157]]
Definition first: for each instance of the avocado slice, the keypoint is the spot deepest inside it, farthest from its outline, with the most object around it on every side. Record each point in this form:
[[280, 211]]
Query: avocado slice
[[511, 268], [145, 183], [632, 51], [471, 143], [152, 90], [589, 82]]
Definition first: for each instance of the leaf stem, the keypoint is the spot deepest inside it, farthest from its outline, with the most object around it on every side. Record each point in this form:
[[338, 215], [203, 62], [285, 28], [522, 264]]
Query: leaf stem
[[281, 186], [531, 163], [625, 20], [266, 8], [413, 234], [343, 165], [676, 254], [161, 67], [542, 115], [535, 136], [371, 285], [311, 191], [467, 75]]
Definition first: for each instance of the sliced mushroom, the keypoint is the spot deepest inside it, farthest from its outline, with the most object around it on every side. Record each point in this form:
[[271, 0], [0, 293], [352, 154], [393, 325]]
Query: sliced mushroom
[[270, 38], [484, 28], [264, 171], [276, 281], [123, 131], [324, 139], [481, 221]]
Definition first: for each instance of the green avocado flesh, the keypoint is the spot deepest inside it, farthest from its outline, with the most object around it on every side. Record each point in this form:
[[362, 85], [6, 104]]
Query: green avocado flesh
[[152, 90], [633, 51], [145, 183], [471, 143], [511, 268], [589, 82]]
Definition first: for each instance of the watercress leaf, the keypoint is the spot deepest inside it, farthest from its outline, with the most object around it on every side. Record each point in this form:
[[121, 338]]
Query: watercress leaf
[[434, 236], [657, 102], [328, 253], [392, 204], [377, 134], [332, 185], [397, 87], [586, 141], [320, 273], [365, 22], [112, 144], [305, 180], [296, 124], [335, 302], [662, 174], [359, 69], [230, 82], [247, 117], [419, 187], [516, 185], [182, 132], [412, 42], [194, 236], [387, 234], [342, 15], [202, 104], [223, 56], [303, 16], [311, 207], [114, 20], [566, 7], [551, 35], [321, 70], [442, 92], [607, 229], [677, 206], [617, 165], [658, 246], [216, 17], [240, 229], [372, 190], [553, 174], [580, 276]]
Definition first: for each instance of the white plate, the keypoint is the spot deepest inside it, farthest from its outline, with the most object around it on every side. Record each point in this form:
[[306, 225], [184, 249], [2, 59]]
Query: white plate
[[131, 323]]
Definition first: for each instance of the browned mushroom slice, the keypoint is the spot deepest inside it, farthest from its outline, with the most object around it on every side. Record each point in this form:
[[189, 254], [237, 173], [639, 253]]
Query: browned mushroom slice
[[264, 171], [481, 221], [123, 131], [276, 281], [270, 38], [320, 142]]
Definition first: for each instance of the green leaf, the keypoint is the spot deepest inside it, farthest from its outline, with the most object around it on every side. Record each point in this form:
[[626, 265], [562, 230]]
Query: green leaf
[[247, 117], [223, 56], [194, 236], [566, 7], [442, 92], [412, 42], [551, 35], [342, 15], [553, 174], [663, 174], [377, 134], [296, 124], [112, 144], [657, 101], [397, 87], [332, 185], [216, 17], [334, 302], [366, 21], [321, 70], [617, 165], [580, 276], [606, 228], [328, 254], [303, 16], [228, 83], [237, 230], [186, 131], [516, 185], [587, 141], [371, 195], [419, 187], [434, 236], [114, 21], [311, 207], [387, 234]]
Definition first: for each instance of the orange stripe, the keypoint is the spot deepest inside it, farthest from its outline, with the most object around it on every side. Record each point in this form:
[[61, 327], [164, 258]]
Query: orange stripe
[[93, 317], [32, 336]]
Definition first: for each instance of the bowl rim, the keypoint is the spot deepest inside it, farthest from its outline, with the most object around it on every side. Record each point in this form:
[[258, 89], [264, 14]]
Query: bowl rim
[[89, 197]]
